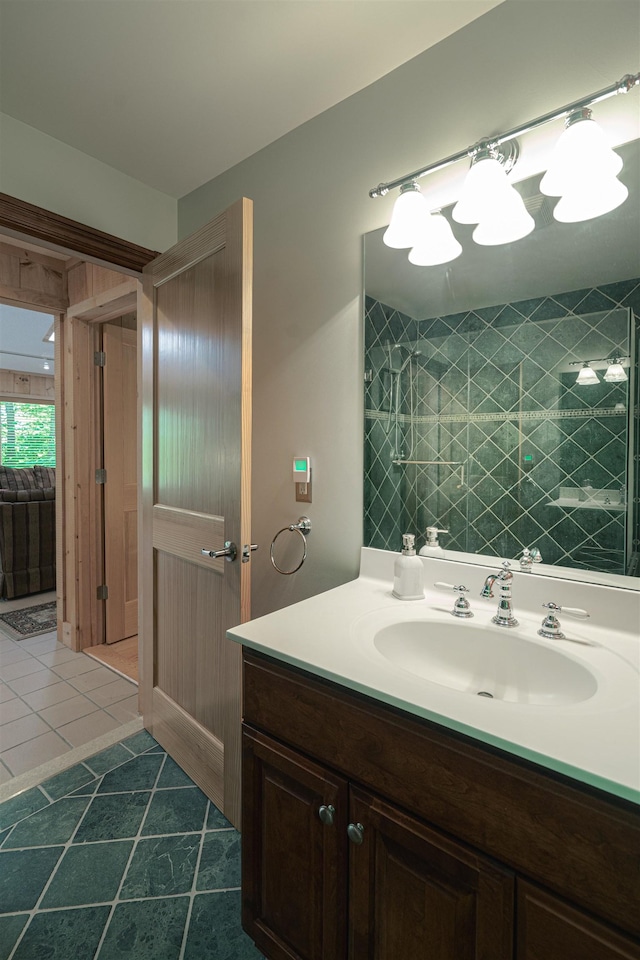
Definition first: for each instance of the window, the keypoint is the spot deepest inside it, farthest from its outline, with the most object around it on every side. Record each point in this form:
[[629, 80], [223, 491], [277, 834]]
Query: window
[[27, 434]]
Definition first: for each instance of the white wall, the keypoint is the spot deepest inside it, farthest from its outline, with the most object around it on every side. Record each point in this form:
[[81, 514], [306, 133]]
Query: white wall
[[312, 208], [39, 169]]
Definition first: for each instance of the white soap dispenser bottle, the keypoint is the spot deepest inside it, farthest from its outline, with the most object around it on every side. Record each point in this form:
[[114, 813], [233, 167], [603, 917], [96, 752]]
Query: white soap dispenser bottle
[[432, 547], [408, 579]]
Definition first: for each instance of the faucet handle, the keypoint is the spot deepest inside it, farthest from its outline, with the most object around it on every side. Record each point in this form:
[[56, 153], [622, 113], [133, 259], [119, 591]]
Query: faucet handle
[[461, 607], [551, 625]]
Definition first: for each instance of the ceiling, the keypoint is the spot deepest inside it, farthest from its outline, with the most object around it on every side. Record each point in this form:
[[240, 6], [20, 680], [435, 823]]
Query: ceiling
[[174, 92]]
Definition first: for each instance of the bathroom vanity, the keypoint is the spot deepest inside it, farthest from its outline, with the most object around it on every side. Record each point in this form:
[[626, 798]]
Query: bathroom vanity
[[375, 824]]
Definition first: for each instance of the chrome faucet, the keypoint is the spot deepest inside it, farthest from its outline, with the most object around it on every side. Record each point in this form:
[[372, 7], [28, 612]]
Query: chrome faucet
[[504, 617], [528, 557]]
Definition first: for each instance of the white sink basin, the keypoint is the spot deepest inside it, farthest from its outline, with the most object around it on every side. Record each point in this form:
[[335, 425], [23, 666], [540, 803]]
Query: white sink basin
[[492, 662]]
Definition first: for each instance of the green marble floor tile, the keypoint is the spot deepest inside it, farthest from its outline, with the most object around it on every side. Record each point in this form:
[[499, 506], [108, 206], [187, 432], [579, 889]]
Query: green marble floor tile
[[217, 820], [10, 930], [63, 935], [162, 866], [220, 861], [146, 930], [114, 816], [23, 875], [88, 873], [138, 773], [140, 742], [55, 824], [180, 810], [215, 932], [66, 782], [88, 789], [21, 806], [108, 759], [173, 776]]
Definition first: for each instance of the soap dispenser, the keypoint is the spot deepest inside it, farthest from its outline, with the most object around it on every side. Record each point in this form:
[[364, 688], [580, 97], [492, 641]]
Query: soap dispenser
[[432, 547], [408, 579]]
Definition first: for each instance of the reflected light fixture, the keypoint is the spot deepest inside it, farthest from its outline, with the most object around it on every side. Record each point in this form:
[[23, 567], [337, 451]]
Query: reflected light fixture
[[582, 172], [587, 375], [436, 243], [615, 371]]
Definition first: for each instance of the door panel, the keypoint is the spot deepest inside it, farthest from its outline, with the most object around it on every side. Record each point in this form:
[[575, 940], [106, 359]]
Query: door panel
[[196, 415], [120, 402]]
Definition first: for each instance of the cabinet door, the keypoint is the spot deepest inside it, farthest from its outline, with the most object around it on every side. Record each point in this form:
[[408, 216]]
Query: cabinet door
[[294, 865], [416, 895], [549, 929]]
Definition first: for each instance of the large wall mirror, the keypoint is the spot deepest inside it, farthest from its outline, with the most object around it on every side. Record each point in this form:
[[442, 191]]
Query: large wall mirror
[[474, 419]]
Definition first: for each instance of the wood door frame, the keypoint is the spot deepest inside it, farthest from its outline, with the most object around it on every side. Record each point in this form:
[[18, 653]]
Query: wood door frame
[[75, 382]]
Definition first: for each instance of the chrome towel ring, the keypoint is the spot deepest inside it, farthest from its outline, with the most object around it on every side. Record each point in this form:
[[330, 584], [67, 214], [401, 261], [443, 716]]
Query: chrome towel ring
[[303, 526]]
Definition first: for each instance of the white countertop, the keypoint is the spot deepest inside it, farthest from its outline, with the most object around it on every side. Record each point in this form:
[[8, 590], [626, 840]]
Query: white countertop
[[595, 741]]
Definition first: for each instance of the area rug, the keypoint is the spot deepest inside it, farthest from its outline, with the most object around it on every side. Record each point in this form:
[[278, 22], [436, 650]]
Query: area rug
[[22, 624]]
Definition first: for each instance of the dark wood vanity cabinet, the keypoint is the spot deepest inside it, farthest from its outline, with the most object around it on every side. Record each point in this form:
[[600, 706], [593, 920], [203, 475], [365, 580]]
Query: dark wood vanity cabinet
[[371, 835]]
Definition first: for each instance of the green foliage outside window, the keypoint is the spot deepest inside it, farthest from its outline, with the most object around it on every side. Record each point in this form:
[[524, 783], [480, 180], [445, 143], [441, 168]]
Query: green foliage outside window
[[27, 434]]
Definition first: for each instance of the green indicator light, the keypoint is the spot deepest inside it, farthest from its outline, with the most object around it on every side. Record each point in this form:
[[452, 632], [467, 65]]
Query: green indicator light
[[528, 457], [301, 465]]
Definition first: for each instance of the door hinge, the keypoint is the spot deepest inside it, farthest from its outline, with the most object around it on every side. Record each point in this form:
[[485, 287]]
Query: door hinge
[[99, 358], [103, 592], [101, 475]]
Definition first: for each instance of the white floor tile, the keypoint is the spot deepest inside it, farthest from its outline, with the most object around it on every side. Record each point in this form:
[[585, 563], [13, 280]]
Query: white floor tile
[[73, 668], [85, 729], [27, 756], [124, 710], [6, 693], [56, 657], [43, 643], [5, 774], [118, 690], [35, 681], [19, 731], [68, 710], [95, 678], [13, 710], [21, 668], [48, 696], [12, 655]]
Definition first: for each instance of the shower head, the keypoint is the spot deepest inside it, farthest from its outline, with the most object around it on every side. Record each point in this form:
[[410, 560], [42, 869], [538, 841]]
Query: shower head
[[399, 346]]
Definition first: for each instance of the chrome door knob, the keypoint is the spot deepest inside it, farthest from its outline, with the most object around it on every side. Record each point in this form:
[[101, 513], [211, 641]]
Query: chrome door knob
[[326, 814], [230, 552], [355, 832]]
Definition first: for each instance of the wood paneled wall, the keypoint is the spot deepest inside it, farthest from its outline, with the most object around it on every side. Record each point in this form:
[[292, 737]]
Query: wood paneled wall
[[86, 280], [32, 280], [15, 385]]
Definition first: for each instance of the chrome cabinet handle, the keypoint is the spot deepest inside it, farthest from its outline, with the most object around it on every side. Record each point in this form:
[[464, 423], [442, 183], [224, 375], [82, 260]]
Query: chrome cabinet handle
[[230, 552], [326, 814], [355, 832], [247, 550]]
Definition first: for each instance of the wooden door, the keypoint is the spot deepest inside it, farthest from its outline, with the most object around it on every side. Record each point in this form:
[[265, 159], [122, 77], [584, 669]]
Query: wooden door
[[550, 929], [417, 895], [195, 317], [121, 489], [294, 853]]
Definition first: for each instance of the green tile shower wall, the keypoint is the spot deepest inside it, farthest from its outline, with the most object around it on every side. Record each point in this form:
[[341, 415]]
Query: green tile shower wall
[[490, 386]]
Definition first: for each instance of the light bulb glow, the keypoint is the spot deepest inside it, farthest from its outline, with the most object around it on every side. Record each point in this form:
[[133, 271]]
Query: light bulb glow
[[587, 375], [615, 373], [588, 200], [407, 219], [436, 245], [506, 222], [485, 183], [581, 156]]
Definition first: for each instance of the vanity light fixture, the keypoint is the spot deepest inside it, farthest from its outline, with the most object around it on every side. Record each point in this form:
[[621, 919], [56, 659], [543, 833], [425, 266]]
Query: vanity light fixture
[[587, 375], [615, 371], [583, 171], [586, 190], [436, 243]]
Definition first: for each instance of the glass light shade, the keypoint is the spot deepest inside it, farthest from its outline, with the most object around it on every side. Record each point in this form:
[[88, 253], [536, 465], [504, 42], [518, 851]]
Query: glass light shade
[[615, 373], [506, 222], [589, 200], [581, 154], [437, 244], [407, 219], [587, 375], [484, 184]]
